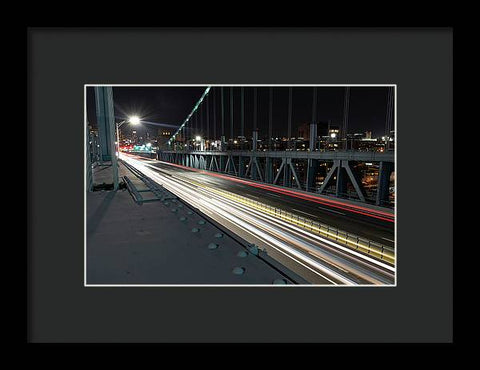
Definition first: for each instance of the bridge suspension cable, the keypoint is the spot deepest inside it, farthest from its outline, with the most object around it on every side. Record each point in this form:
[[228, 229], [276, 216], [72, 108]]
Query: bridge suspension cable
[[190, 115]]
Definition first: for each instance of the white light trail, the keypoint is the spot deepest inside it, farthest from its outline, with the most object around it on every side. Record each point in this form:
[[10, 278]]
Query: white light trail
[[294, 242]]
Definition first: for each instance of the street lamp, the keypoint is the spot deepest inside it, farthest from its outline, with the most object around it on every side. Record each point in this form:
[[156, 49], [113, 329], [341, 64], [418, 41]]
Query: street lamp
[[134, 120]]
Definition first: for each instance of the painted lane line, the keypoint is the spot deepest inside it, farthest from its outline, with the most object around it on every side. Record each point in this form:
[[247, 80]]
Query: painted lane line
[[331, 210], [306, 213]]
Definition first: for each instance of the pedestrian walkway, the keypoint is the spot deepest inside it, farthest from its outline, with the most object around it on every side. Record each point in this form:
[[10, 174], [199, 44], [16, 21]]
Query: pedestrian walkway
[[166, 242]]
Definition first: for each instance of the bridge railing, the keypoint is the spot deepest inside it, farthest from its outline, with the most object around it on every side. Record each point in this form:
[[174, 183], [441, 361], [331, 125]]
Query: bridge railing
[[354, 242]]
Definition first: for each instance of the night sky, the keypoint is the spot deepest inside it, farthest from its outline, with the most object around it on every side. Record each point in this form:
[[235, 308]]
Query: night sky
[[167, 107]]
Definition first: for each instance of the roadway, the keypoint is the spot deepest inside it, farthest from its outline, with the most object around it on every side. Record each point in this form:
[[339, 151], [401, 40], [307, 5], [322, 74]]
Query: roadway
[[324, 261], [369, 223]]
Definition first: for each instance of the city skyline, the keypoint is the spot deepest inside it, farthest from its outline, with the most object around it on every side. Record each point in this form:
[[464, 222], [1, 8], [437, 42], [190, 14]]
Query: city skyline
[[367, 108]]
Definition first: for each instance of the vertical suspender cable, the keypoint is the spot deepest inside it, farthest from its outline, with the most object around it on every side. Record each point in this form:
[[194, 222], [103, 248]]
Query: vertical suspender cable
[[255, 108], [270, 118], [231, 114], [289, 130], [208, 120], [214, 115], [346, 107], [242, 106], [222, 131]]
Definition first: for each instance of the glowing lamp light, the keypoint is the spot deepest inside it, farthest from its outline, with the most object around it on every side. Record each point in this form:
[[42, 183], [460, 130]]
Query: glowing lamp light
[[134, 120], [198, 138]]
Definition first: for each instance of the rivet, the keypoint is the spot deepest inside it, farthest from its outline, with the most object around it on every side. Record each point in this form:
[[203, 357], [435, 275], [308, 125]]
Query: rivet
[[195, 230], [218, 235], [253, 249], [212, 246], [182, 218], [279, 281], [242, 254], [201, 222], [238, 270]]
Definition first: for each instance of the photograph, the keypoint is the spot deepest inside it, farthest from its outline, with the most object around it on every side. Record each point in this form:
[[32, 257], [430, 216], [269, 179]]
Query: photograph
[[274, 185], [239, 186]]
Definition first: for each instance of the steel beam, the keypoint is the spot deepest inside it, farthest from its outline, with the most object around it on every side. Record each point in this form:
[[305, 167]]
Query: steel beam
[[230, 165], [258, 168], [106, 128], [294, 173], [312, 171], [241, 166], [341, 188], [277, 176], [323, 156], [355, 181], [329, 176], [269, 170], [287, 174], [385, 171]]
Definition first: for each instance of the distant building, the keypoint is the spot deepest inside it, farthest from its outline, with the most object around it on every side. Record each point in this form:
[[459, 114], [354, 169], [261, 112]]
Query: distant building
[[334, 132], [304, 131], [164, 135]]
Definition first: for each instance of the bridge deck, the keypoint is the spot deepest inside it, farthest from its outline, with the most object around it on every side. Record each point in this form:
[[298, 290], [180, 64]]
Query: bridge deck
[[153, 243]]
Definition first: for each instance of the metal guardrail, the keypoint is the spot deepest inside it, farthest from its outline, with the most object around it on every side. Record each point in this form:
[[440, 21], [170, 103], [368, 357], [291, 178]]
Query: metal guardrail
[[326, 155], [158, 191], [374, 249], [137, 197]]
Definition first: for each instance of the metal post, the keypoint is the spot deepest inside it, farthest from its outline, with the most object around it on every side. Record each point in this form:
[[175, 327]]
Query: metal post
[[313, 136], [118, 139], [268, 170], [254, 139], [383, 191], [102, 121], [241, 166], [106, 126], [312, 170], [341, 188], [287, 174], [88, 162]]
